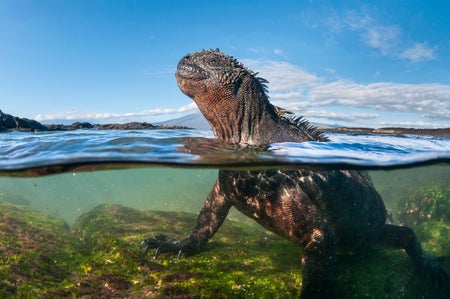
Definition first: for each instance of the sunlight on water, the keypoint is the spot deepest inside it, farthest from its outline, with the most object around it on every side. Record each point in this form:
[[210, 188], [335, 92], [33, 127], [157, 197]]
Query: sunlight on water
[[191, 148]]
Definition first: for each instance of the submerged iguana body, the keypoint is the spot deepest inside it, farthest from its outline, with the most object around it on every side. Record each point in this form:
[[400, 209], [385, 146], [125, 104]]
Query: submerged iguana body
[[320, 210]]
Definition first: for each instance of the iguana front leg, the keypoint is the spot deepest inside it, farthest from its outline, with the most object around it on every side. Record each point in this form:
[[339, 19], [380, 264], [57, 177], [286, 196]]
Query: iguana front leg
[[318, 266], [211, 217]]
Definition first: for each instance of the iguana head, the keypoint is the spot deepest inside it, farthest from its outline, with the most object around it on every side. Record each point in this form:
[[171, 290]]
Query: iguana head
[[209, 65], [225, 91], [235, 102]]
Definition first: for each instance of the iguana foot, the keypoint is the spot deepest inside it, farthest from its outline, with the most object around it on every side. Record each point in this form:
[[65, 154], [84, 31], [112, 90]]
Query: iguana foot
[[165, 244]]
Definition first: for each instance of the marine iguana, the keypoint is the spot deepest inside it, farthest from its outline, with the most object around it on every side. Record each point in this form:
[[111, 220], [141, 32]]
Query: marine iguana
[[320, 210]]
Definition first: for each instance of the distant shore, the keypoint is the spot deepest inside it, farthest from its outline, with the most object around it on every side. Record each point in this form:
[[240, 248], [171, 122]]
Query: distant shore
[[13, 123], [441, 132]]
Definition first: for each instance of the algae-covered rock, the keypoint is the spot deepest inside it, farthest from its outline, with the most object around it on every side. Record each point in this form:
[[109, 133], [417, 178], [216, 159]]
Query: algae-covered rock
[[240, 261], [435, 237], [430, 202], [37, 253], [100, 258]]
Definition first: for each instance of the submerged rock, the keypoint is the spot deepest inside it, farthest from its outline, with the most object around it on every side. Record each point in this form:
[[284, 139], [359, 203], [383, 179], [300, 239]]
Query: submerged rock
[[241, 261], [430, 202], [37, 253], [100, 258]]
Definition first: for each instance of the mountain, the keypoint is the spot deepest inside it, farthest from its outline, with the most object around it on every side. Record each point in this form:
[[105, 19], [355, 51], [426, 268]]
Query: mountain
[[193, 120]]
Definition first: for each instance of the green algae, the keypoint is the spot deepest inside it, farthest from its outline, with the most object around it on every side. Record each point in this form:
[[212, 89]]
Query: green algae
[[429, 202], [435, 236], [36, 252], [100, 257], [239, 262]]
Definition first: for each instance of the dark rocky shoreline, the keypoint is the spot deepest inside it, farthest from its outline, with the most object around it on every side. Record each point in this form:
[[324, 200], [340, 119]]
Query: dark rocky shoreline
[[13, 123], [441, 132]]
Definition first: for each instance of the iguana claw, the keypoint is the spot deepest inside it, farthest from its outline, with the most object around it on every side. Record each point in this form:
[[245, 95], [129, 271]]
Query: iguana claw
[[165, 244], [162, 244]]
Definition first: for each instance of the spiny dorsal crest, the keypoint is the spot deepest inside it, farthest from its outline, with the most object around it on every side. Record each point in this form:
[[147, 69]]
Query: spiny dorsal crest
[[306, 128], [288, 116]]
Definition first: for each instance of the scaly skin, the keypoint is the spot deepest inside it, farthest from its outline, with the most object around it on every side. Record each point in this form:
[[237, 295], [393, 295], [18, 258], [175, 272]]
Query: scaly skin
[[320, 210]]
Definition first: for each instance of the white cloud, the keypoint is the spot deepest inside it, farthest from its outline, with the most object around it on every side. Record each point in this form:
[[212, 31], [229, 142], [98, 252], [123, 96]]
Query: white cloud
[[288, 82], [329, 70], [431, 99], [282, 75], [376, 33], [341, 117], [372, 32], [408, 124], [440, 115], [291, 95], [358, 21], [419, 52], [383, 38], [295, 106], [113, 117], [278, 52], [293, 88]]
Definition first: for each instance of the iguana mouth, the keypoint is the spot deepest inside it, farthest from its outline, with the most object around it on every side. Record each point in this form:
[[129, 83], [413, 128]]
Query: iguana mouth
[[187, 69]]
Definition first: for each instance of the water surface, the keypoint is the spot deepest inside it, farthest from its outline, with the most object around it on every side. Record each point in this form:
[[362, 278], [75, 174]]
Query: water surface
[[190, 148], [175, 169]]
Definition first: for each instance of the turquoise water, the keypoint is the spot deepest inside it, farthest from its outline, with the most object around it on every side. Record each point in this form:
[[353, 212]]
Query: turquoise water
[[174, 170], [69, 195]]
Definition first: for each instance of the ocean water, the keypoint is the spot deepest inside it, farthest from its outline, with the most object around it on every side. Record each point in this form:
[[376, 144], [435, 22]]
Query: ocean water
[[66, 174], [196, 148]]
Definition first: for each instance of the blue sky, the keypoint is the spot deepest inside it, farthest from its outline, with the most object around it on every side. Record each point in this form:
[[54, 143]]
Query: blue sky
[[359, 63]]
